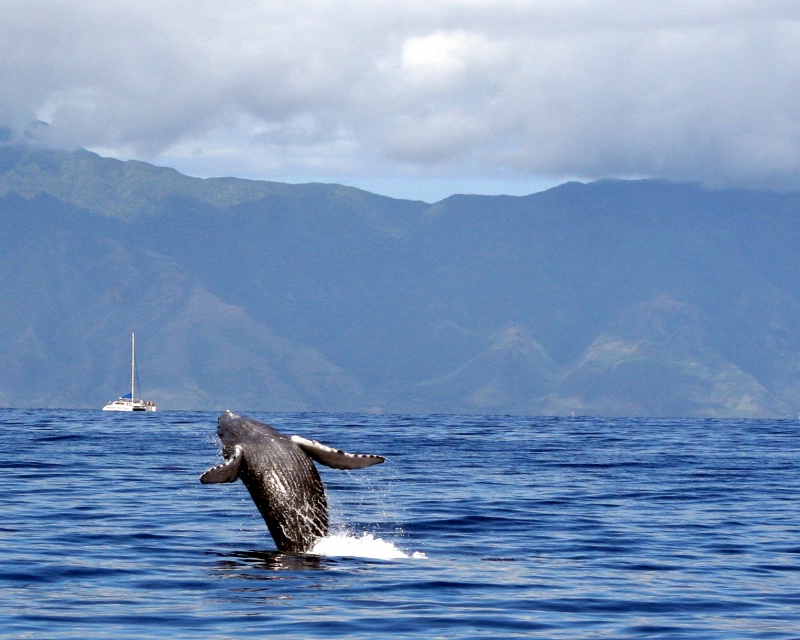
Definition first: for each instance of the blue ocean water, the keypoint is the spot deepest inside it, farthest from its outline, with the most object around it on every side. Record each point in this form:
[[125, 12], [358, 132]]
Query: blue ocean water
[[475, 527]]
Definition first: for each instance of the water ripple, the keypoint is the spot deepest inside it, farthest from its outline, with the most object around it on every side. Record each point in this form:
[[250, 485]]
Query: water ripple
[[550, 528]]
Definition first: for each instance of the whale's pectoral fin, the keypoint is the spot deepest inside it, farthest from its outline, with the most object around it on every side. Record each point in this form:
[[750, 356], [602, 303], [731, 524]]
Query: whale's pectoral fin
[[335, 458], [228, 471]]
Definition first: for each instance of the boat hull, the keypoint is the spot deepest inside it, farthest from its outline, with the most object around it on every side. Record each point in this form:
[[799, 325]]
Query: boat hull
[[129, 405]]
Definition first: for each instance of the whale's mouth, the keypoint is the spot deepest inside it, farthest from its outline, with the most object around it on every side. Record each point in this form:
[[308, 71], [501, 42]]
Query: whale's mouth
[[364, 546]]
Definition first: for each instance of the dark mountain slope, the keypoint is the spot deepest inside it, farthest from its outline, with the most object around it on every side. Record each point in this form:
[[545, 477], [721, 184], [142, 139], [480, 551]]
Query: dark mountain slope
[[615, 297], [73, 295]]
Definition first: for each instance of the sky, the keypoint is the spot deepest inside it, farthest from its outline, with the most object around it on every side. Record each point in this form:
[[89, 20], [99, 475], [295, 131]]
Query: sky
[[415, 99]]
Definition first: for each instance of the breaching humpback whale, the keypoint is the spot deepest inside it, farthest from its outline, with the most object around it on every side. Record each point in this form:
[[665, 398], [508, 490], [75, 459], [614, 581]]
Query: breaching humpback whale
[[283, 482]]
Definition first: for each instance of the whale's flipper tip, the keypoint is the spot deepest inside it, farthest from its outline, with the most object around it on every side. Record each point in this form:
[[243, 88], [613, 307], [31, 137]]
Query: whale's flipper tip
[[335, 458], [228, 471]]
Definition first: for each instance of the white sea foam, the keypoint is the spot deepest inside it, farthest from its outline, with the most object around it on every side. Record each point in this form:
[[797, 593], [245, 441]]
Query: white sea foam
[[365, 546]]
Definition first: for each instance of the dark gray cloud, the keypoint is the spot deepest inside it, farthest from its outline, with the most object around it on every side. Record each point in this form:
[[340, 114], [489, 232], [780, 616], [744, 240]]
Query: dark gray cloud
[[495, 89]]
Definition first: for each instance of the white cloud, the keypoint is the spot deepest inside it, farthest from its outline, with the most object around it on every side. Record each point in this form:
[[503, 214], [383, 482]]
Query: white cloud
[[352, 90]]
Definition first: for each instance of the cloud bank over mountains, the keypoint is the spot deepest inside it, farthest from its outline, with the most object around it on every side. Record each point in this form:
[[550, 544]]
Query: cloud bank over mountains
[[702, 90]]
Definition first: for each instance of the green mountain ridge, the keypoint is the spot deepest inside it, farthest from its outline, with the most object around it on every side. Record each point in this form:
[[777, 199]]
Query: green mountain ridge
[[611, 298]]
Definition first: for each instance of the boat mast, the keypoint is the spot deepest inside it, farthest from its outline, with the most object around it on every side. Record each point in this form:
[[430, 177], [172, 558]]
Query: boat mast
[[133, 365]]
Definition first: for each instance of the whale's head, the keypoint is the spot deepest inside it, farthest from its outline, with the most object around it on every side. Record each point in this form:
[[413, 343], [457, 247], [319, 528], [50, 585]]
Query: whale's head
[[240, 437], [233, 430]]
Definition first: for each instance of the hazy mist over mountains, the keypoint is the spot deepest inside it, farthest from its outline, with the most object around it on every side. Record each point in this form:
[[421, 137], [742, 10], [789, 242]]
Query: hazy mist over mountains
[[638, 298]]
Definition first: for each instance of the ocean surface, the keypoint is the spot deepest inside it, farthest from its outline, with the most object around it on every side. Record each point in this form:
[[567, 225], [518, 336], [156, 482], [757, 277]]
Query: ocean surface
[[475, 527]]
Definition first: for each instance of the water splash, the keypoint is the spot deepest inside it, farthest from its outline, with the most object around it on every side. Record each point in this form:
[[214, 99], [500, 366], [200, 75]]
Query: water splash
[[365, 546]]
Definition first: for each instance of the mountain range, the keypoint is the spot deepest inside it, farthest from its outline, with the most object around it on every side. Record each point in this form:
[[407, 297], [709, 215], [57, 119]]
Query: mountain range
[[635, 298]]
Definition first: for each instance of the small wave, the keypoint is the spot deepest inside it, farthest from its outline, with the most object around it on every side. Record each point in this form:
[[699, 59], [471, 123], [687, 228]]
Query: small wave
[[365, 546]]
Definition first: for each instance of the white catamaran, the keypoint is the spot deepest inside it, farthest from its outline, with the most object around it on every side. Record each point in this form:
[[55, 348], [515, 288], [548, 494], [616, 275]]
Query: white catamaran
[[129, 402]]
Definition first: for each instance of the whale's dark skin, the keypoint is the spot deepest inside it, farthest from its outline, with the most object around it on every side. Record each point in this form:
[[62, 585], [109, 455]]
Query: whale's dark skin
[[283, 482]]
